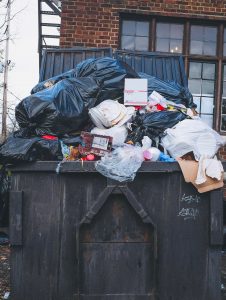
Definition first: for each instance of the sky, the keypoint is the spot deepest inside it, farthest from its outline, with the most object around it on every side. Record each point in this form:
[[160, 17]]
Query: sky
[[23, 49]]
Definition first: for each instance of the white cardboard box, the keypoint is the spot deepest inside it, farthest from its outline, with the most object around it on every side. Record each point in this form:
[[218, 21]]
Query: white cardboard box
[[136, 92]]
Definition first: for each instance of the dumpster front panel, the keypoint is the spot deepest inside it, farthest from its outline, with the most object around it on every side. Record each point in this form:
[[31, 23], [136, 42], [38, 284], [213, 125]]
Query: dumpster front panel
[[87, 237]]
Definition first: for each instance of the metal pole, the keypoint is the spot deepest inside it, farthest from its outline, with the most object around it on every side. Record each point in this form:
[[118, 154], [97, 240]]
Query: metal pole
[[6, 69]]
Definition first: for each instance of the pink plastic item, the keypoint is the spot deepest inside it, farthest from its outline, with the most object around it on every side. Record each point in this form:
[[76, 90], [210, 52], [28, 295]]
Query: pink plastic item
[[147, 155], [90, 157]]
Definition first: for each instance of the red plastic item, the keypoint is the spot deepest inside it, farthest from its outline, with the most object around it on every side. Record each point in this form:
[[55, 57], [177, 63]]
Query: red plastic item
[[49, 137], [160, 107]]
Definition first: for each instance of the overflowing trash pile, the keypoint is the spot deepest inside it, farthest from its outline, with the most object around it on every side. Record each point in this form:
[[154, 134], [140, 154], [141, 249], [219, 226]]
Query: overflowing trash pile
[[104, 111]]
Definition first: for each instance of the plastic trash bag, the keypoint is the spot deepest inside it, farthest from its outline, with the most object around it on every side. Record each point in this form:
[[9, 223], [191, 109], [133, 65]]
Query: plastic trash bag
[[17, 149], [153, 125], [110, 113], [110, 73], [60, 109], [122, 163], [170, 90], [53, 80], [119, 134], [192, 136]]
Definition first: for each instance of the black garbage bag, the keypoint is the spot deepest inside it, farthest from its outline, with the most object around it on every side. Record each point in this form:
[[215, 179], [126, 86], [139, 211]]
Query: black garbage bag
[[170, 90], [17, 149], [110, 73], [153, 125], [4, 197], [72, 141], [60, 109], [53, 80]]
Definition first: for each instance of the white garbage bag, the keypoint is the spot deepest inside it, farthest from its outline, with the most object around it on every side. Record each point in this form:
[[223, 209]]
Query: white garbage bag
[[192, 136], [119, 134]]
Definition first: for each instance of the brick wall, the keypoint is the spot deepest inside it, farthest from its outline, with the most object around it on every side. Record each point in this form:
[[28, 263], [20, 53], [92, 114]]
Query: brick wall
[[95, 23]]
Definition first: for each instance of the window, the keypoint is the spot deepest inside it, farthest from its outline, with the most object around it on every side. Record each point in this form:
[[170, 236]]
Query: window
[[201, 85], [203, 40], [203, 46], [135, 35], [169, 37], [223, 107]]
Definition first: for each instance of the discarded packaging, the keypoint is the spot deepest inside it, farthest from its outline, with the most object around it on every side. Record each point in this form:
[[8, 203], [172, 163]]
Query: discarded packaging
[[96, 144], [122, 163], [190, 170], [136, 92]]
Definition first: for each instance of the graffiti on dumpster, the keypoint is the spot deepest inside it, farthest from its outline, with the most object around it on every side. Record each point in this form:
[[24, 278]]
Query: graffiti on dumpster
[[190, 199], [189, 212]]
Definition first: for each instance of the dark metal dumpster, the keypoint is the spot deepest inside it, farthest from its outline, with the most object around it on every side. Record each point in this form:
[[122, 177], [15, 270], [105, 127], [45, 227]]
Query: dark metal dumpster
[[78, 235]]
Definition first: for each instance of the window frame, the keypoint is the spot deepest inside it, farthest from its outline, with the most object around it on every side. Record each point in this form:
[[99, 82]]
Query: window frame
[[219, 59]]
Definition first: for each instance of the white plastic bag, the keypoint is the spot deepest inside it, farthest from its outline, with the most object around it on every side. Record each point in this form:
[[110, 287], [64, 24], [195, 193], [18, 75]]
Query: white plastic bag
[[119, 134], [110, 113], [192, 136], [122, 163]]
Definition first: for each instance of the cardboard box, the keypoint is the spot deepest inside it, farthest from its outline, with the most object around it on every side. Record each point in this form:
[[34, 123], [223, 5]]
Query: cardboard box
[[189, 169], [136, 92]]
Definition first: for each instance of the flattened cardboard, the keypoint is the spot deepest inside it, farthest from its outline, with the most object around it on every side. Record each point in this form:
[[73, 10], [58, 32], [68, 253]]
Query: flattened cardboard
[[189, 169]]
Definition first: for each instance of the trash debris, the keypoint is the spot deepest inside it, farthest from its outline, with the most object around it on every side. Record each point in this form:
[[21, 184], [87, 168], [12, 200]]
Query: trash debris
[[17, 149], [122, 163], [189, 169], [136, 92], [146, 143], [170, 90], [95, 144], [153, 125], [192, 136], [110, 73], [53, 80], [80, 116], [156, 102], [110, 113], [59, 110], [119, 134], [209, 167]]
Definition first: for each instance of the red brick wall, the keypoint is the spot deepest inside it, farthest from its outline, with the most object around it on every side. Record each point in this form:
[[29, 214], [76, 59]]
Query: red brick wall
[[95, 23]]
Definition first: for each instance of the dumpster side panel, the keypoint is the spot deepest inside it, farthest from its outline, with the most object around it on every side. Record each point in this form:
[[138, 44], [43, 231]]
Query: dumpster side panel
[[55, 62], [164, 66]]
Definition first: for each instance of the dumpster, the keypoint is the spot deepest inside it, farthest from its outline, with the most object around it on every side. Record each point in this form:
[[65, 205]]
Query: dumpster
[[79, 235], [76, 235]]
